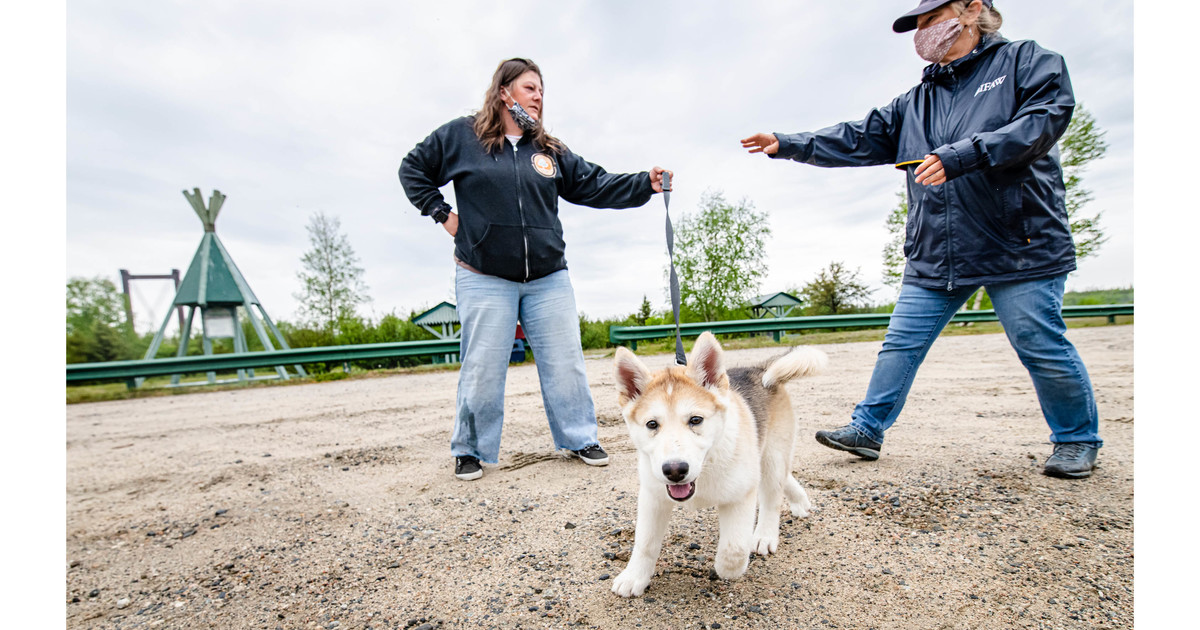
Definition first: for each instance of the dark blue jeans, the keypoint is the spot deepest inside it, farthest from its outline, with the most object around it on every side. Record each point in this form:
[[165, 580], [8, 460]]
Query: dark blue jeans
[[1031, 313]]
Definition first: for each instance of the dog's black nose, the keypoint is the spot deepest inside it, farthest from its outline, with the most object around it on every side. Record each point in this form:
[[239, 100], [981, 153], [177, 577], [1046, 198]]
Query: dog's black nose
[[675, 471]]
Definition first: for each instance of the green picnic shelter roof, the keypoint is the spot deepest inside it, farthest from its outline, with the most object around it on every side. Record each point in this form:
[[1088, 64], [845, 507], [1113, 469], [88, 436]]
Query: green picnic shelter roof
[[444, 313]]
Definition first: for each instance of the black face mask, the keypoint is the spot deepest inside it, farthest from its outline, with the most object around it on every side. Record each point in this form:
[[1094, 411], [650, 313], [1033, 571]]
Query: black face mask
[[522, 117]]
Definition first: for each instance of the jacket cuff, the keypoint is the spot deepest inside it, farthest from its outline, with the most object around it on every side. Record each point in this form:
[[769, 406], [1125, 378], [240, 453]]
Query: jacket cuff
[[958, 158], [791, 145]]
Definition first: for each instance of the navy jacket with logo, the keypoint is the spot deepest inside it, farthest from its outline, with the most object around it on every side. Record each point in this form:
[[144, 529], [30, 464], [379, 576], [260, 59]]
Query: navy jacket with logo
[[508, 201], [994, 118]]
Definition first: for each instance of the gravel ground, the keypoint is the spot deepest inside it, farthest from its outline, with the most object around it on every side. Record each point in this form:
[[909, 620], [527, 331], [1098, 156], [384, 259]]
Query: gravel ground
[[333, 505]]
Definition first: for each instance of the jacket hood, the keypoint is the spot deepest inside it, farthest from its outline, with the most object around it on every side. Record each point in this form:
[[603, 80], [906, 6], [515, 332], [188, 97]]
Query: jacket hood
[[936, 72]]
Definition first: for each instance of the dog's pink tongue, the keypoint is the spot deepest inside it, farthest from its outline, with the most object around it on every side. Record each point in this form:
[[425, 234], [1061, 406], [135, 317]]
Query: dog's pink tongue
[[680, 491]]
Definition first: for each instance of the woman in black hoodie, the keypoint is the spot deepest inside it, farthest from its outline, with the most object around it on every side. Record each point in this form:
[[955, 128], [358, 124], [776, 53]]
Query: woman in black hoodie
[[508, 175]]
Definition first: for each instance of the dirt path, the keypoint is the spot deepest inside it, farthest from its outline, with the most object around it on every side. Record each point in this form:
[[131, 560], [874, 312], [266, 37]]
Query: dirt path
[[333, 505]]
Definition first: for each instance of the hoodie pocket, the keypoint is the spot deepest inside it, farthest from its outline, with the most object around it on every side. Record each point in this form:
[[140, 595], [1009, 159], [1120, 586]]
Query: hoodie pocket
[[500, 251], [547, 251]]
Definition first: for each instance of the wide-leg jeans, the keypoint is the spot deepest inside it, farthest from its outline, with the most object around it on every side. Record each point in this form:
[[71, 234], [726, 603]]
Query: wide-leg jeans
[[1031, 313], [489, 309]]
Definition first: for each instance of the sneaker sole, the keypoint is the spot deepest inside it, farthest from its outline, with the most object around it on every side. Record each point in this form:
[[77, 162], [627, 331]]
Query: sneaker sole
[[470, 476], [593, 462], [864, 453], [1066, 475]]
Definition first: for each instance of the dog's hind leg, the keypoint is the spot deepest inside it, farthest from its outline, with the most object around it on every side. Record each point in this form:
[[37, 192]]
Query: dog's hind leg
[[653, 515], [797, 497], [733, 546]]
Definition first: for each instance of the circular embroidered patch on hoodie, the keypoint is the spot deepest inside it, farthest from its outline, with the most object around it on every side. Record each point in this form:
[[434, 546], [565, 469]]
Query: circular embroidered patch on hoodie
[[543, 164]]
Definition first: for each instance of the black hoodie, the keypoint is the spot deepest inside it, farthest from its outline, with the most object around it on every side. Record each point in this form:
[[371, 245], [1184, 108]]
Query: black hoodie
[[508, 201]]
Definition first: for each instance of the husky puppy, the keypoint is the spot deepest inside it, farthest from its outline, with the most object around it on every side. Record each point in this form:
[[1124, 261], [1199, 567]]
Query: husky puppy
[[710, 437]]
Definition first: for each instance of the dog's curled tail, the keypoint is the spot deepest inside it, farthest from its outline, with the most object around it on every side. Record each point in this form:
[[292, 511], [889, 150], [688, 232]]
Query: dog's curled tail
[[801, 361]]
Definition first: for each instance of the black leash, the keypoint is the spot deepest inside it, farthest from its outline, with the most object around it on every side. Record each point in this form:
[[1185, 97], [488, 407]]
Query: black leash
[[680, 359]]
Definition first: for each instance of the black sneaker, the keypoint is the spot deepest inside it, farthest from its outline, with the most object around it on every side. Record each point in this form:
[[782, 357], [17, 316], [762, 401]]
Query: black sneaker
[[467, 468], [593, 455], [850, 440], [1071, 460]]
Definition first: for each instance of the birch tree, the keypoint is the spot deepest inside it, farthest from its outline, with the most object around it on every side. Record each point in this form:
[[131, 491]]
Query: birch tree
[[330, 278]]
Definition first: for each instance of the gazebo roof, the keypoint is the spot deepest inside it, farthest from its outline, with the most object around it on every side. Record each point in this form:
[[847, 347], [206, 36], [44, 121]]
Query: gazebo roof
[[444, 313], [781, 298]]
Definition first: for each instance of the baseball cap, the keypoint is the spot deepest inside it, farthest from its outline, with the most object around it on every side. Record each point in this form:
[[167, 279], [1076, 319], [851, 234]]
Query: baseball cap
[[908, 21]]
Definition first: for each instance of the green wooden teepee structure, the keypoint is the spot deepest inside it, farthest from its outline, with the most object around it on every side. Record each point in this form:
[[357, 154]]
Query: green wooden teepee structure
[[214, 285]]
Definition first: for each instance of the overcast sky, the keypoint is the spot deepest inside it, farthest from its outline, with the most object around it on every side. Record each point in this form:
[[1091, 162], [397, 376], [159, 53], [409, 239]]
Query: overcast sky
[[290, 108]]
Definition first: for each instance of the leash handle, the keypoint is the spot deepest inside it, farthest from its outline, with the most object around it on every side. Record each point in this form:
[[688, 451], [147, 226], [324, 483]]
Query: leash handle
[[680, 358]]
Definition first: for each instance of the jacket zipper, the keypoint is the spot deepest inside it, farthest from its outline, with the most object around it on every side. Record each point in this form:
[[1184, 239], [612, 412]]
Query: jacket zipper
[[946, 188], [521, 211]]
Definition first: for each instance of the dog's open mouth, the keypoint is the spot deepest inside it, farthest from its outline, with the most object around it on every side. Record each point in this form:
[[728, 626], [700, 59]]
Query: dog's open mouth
[[682, 491]]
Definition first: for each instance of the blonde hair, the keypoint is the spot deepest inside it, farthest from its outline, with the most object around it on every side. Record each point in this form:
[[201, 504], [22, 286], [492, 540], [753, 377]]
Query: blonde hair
[[989, 20], [489, 120]]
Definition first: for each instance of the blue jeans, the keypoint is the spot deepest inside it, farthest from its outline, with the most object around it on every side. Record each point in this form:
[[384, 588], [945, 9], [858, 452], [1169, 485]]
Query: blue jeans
[[489, 309], [1031, 313]]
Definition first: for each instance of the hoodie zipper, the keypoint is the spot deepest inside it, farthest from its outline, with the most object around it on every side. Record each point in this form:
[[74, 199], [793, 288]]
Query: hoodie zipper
[[521, 211]]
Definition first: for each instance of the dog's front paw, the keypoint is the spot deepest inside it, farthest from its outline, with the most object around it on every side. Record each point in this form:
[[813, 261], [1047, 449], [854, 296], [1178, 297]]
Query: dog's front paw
[[766, 545], [801, 509], [629, 585], [731, 566]]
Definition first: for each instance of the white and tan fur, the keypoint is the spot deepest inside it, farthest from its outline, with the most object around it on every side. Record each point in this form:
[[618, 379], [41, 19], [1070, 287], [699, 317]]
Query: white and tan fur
[[693, 418]]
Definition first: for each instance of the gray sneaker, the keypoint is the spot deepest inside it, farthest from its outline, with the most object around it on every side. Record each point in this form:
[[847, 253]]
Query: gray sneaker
[[1071, 460], [850, 440]]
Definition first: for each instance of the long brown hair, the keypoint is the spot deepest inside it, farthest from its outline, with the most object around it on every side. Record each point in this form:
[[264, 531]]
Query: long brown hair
[[489, 120]]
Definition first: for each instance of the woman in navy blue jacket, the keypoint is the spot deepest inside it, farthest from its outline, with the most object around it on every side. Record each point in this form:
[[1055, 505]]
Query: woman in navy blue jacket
[[986, 207], [508, 174]]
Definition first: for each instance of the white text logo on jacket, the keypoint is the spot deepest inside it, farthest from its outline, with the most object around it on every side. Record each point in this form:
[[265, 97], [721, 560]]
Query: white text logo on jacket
[[989, 85]]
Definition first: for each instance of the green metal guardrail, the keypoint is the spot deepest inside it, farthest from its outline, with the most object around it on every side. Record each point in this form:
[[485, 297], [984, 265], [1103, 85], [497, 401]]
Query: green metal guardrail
[[124, 370], [634, 334]]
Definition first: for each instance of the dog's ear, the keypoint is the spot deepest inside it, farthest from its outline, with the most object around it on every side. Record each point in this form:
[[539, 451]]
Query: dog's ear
[[632, 375], [707, 365]]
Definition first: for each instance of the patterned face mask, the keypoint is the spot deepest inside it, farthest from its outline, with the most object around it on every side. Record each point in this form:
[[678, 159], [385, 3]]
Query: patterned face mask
[[522, 117], [933, 42]]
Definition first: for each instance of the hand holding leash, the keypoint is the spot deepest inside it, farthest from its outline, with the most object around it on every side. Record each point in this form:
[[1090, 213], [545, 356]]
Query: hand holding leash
[[660, 179]]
